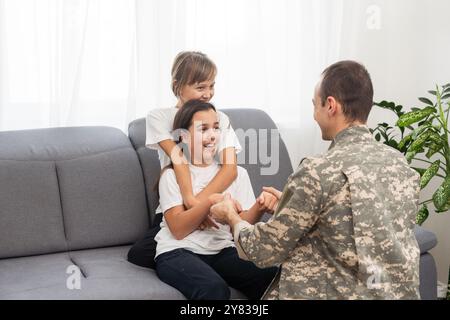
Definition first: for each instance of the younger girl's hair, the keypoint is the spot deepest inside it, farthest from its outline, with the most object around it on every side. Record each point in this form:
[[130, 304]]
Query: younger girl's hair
[[191, 67], [183, 118], [182, 121]]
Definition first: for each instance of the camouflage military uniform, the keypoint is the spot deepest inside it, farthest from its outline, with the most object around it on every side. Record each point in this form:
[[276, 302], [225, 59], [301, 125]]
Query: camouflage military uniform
[[344, 226]]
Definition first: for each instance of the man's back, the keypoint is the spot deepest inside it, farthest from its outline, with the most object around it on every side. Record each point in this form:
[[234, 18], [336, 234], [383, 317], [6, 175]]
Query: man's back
[[363, 242]]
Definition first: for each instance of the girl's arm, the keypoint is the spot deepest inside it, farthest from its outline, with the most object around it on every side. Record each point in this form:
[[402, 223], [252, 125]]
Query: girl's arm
[[266, 202], [182, 173], [252, 215], [182, 222]]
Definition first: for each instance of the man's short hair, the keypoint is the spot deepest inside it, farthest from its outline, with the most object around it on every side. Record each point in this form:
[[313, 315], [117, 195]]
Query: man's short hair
[[350, 84]]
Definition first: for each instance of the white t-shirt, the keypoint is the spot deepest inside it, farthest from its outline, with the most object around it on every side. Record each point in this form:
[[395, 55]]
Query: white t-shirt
[[211, 240], [159, 124]]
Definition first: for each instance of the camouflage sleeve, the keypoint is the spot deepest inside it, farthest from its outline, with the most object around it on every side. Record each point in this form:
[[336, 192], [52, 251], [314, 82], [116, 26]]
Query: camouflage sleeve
[[268, 244]]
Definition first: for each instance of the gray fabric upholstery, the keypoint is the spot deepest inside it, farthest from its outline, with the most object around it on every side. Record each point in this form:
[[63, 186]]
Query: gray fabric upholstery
[[428, 277], [69, 188], [103, 199], [79, 196], [29, 205], [426, 239], [106, 274]]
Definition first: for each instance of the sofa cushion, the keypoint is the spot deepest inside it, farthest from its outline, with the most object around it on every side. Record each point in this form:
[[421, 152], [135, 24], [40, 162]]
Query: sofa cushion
[[103, 199], [31, 220], [105, 275], [426, 239], [69, 188]]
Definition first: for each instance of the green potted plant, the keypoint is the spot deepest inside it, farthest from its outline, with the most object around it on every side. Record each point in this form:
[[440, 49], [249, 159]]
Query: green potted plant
[[422, 134]]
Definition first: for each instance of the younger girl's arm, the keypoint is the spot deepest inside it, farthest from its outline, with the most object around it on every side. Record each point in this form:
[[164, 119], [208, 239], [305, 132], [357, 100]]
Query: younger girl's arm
[[182, 172], [182, 222]]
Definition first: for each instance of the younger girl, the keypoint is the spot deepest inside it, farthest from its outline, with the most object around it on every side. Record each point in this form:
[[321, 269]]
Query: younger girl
[[202, 264]]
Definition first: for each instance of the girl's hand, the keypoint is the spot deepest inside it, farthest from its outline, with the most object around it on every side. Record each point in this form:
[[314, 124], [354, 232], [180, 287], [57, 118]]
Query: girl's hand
[[273, 191], [208, 223], [267, 202]]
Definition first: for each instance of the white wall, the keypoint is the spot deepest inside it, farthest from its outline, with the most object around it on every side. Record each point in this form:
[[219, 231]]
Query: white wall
[[406, 56]]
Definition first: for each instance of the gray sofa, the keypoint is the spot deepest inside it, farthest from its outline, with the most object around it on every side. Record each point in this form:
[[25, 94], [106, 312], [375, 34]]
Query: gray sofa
[[81, 196]]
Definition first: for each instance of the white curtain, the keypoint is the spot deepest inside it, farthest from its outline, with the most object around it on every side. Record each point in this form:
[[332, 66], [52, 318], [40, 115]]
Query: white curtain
[[107, 62]]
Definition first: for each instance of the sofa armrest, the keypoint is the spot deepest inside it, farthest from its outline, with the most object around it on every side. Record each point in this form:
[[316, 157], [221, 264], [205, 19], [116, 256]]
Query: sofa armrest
[[426, 239]]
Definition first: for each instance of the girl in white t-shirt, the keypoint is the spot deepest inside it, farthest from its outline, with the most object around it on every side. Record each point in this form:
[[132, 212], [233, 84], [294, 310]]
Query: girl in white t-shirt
[[193, 77], [202, 264]]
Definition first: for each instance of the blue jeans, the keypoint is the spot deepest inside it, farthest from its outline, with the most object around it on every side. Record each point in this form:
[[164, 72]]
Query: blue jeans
[[208, 277]]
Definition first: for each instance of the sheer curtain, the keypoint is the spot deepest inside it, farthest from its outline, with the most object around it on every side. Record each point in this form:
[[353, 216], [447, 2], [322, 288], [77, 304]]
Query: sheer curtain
[[107, 62]]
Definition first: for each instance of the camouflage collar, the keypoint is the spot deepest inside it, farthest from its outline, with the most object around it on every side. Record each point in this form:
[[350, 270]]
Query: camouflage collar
[[352, 134]]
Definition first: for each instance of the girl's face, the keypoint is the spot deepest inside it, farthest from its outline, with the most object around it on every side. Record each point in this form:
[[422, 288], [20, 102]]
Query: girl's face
[[204, 135], [203, 91]]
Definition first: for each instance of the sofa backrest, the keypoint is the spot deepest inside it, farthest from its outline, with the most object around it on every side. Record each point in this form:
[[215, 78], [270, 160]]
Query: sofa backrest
[[68, 189], [242, 119]]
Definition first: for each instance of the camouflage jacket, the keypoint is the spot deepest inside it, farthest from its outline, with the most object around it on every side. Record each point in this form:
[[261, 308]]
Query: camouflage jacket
[[344, 227]]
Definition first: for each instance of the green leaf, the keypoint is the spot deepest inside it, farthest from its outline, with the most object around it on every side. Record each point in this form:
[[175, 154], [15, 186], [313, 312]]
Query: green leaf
[[422, 215], [414, 116], [377, 137], [442, 195], [432, 92], [426, 101], [393, 144], [444, 209], [446, 90], [445, 96], [415, 109], [418, 143], [404, 142], [410, 155], [429, 174], [432, 149]]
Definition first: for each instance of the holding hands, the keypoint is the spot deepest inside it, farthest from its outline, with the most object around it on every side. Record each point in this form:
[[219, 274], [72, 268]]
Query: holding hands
[[268, 199]]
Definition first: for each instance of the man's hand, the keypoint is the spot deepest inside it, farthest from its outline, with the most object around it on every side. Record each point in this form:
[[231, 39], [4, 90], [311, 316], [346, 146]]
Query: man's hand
[[224, 210], [268, 199], [209, 221]]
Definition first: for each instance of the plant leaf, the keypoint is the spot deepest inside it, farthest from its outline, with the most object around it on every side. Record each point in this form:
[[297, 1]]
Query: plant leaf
[[404, 142], [422, 215], [445, 96], [432, 149], [434, 93], [377, 137], [419, 142], [414, 116], [426, 101], [442, 194], [429, 174], [410, 155]]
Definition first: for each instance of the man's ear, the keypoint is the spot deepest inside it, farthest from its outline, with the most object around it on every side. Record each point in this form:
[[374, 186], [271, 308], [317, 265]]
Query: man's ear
[[333, 106]]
